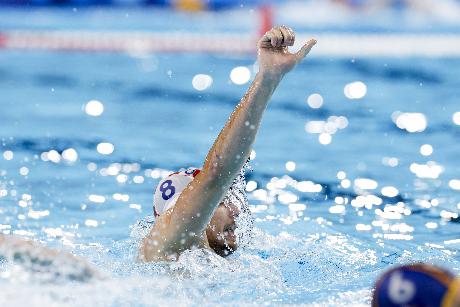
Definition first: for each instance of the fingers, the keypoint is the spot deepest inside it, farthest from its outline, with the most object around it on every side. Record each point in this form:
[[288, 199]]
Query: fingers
[[265, 41], [288, 35], [305, 50], [278, 37]]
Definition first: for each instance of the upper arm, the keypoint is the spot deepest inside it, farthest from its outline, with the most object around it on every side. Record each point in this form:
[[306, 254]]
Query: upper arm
[[193, 210]]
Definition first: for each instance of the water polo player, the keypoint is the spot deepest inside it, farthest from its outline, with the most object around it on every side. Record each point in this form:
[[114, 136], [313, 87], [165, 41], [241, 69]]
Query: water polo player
[[192, 207], [417, 285]]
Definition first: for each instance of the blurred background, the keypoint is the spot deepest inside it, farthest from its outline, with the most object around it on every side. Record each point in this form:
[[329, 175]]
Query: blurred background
[[355, 166], [244, 18]]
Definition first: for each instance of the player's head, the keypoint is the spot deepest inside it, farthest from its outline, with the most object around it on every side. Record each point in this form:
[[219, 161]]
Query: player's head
[[231, 223], [416, 285], [221, 230]]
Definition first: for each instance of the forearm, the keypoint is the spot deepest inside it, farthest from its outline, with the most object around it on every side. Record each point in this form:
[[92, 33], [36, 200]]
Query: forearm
[[234, 143]]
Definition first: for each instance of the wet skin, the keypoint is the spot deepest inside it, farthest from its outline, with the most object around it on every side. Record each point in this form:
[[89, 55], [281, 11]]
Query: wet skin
[[198, 219], [220, 232]]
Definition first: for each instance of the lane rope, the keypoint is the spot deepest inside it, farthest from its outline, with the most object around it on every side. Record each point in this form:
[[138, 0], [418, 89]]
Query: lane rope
[[329, 45]]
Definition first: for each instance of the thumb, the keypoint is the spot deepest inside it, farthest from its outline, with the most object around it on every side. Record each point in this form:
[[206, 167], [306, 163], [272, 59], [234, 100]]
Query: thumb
[[305, 50]]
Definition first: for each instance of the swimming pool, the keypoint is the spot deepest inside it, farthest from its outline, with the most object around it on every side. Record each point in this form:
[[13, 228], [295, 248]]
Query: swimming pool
[[323, 235]]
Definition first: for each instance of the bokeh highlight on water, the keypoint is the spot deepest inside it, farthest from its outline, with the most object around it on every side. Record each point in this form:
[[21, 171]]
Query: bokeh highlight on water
[[355, 170]]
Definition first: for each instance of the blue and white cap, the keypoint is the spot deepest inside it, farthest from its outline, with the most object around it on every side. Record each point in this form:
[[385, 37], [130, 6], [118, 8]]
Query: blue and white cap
[[165, 197], [170, 188]]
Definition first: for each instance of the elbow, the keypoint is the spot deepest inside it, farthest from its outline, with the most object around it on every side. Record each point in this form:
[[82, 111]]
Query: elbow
[[215, 168], [212, 179], [219, 170]]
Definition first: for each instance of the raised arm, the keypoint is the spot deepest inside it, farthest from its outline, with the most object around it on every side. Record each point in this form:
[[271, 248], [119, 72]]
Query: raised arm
[[197, 202]]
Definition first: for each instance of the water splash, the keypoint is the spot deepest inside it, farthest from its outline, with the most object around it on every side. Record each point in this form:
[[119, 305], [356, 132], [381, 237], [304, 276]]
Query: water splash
[[236, 195]]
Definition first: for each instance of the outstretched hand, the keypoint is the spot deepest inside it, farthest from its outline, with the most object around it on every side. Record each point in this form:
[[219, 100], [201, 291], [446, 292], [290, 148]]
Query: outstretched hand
[[273, 54]]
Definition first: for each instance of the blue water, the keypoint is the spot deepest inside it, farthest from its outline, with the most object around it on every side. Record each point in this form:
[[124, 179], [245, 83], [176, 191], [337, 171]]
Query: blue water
[[158, 123]]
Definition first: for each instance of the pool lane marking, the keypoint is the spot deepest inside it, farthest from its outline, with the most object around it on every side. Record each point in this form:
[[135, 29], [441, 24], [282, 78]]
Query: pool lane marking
[[335, 45], [3, 40]]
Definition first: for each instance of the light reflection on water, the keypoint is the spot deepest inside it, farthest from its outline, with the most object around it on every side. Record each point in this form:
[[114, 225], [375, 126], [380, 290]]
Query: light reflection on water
[[329, 218]]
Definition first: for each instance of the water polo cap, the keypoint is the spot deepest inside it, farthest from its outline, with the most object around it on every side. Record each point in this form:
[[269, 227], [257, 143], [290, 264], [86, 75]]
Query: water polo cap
[[416, 285], [170, 188]]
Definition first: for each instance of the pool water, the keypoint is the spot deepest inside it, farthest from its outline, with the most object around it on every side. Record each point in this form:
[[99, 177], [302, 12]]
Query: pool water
[[327, 223]]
